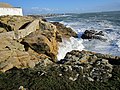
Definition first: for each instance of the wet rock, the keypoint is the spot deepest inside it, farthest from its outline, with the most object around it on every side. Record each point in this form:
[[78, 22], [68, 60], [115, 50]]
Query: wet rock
[[101, 71], [60, 75], [114, 60], [93, 66], [92, 34]]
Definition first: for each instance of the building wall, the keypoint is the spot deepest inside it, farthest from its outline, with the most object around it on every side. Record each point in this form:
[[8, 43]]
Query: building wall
[[11, 11]]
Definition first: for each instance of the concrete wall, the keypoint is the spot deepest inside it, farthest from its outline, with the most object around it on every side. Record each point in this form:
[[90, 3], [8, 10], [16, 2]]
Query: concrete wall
[[11, 11], [18, 34], [29, 29]]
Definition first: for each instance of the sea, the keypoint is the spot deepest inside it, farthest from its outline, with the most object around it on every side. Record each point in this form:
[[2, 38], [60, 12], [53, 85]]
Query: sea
[[108, 22]]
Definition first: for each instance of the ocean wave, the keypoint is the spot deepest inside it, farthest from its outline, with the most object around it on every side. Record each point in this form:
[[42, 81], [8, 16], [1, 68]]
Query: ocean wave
[[68, 45], [106, 23]]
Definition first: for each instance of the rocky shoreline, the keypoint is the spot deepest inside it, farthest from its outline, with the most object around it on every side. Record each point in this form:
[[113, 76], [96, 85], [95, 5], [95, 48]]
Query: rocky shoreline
[[31, 62]]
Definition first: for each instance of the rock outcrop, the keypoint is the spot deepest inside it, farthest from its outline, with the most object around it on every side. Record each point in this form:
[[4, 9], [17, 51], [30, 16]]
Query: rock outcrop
[[36, 47], [30, 62], [12, 54], [65, 31], [41, 44], [92, 34], [93, 66]]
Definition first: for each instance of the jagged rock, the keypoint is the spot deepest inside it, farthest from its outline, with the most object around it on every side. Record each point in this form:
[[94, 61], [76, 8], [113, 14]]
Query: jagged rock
[[65, 31], [87, 56], [46, 26], [38, 47], [12, 54], [101, 70], [92, 34], [43, 41], [93, 66], [114, 60]]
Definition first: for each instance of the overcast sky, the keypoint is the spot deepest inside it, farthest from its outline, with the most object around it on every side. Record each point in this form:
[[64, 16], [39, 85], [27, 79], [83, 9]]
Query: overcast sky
[[63, 6]]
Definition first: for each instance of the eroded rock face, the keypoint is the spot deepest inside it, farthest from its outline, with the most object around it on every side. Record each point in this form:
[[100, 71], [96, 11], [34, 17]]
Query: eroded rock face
[[41, 44], [44, 41], [12, 54], [65, 31], [92, 34], [89, 65], [35, 48]]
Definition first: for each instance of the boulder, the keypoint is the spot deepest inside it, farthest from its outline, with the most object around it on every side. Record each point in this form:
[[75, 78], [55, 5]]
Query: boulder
[[92, 34], [88, 56], [65, 31], [43, 42]]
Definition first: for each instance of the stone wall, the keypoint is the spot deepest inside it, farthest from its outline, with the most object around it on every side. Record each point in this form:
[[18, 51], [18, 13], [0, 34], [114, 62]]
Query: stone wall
[[11, 11]]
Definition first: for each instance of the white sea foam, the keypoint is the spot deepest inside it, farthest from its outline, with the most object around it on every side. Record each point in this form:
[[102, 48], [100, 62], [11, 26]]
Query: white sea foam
[[79, 24], [69, 45], [118, 44], [111, 46]]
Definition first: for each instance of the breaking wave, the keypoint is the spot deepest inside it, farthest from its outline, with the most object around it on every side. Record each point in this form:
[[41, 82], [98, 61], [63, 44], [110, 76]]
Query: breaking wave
[[109, 23]]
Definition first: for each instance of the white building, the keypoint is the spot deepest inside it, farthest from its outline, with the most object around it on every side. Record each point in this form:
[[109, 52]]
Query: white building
[[6, 9]]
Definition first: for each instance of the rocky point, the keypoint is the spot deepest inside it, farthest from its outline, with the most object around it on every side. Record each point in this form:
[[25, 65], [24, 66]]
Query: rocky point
[[31, 62]]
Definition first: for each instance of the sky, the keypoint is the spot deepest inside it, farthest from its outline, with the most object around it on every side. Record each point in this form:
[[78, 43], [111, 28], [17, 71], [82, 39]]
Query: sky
[[65, 6]]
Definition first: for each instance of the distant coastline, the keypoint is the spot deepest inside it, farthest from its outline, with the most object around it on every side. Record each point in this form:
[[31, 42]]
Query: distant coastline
[[61, 14]]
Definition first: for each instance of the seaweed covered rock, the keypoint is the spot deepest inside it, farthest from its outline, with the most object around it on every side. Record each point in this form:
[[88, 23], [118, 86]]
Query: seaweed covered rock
[[65, 31], [90, 66], [101, 70], [92, 34], [94, 73]]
